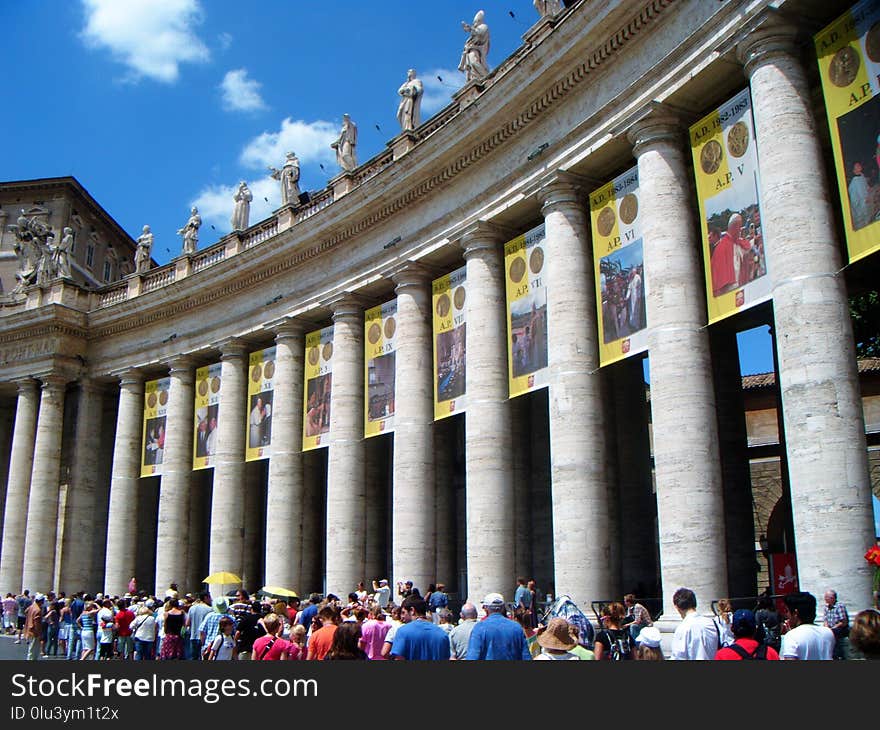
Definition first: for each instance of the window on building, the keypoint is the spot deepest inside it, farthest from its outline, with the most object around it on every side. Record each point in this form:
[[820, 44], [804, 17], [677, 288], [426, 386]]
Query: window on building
[[108, 269], [90, 255]]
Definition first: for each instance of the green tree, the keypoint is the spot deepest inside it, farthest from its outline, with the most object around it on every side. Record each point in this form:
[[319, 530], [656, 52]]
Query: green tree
[[865, 312]]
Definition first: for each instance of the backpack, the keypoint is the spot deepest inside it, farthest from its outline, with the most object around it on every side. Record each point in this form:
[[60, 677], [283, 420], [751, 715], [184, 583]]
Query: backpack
[[621, 646], [759, 653]]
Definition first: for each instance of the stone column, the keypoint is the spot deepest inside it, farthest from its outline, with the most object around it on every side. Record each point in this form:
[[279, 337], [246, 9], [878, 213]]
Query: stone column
[[345, 457], [18, 486], [172, 529], [122, 515], [578, 475], [412, 522], [488, 472], [686, 457], [226, 551], [42, 513], [78, 544], [818, 373], [284, 503]]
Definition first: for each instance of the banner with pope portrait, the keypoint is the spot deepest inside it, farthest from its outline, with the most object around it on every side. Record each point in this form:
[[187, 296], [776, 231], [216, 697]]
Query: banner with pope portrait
[[380, 365], [155, 410], [318, 379], [207, 414], [450, 343], [261, 371], [526, 312], [619, 266], [726, 170], [848, 51]]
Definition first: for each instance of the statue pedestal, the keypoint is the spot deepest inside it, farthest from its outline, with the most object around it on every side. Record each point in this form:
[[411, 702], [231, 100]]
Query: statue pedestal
[[285, 217], [183, 266], [540, 30], [403, 143], [469, 93], [59, 291], [342, 184]]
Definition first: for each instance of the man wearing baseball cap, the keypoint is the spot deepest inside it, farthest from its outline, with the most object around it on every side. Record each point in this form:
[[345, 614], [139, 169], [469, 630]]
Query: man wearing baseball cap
[[497, 637], [746, 646]]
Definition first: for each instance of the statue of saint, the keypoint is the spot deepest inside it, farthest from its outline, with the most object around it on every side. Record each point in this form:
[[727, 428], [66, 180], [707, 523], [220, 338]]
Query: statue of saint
[[31, 246], [190, 232], [547, 7], [61, 255], [289, 177], [346, 145], [409, 109], [241, 212], [476, 49], [143, 252]]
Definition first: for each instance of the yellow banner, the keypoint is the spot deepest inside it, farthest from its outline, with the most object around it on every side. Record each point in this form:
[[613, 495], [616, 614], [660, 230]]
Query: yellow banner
[[380, 368], [848, 52], [726, 170], [619, 267], [207, 411], [318, 377], [526, 313], [450, 343], [261, 371], [155, 407]]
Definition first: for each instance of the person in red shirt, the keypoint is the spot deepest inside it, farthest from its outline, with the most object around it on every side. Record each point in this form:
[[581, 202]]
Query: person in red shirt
[[124, 639], [322, 639], [272, 647], [745, 646], [724, 275]]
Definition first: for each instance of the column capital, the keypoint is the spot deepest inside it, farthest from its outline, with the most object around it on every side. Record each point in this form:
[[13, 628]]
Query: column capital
[[347, 306], [560, 188], [26, 385], [409, 274], [286, 328], [54, 381], [769, 35], [480, 237], [233, 348], [128, 376], [654, 125], [179, 365]]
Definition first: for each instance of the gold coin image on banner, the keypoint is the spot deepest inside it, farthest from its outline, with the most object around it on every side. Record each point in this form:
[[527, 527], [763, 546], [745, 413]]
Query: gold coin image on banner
[[313, 356], [738, 139], [459, 297], [203, 388], [163, 397], [536, 260], [256, 373], [517, 270], [711, 156], [328, 351], [872, 43], [629, 208], [844, 66], [390, 327], [605, 221], [443, 305], [374, 334], [151, 400], [269, 370], [215, 385]]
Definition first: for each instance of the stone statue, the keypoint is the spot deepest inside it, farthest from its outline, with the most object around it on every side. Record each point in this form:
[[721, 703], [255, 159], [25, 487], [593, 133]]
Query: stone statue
[[61, 255], [31, 246], [474, 57], [346, 145], [241, 212], [409, 109], [289, 177], [547, 7], [144, 251], [190, 232]]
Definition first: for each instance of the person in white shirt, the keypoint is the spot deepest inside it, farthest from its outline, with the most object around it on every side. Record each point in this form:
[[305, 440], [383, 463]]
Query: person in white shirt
[[801, 637], [696, 637], [382, 592]]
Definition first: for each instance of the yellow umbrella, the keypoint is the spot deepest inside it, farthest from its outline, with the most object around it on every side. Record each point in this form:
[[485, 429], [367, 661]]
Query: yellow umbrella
[[223, 578], [277, 591]]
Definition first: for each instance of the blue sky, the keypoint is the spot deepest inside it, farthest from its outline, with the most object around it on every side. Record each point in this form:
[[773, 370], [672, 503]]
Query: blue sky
[[157, 105]]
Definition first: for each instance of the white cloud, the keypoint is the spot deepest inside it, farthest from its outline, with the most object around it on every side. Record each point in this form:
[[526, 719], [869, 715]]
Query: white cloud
[[215, 204], [224, 40], [439, 93], [241, 93], [151, 37], [309, 140]]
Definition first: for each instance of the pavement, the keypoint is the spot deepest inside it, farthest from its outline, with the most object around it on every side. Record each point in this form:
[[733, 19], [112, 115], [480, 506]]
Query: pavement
[[10, 650]]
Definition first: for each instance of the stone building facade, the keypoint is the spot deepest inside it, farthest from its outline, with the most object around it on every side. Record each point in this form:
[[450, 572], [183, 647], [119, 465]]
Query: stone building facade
[[556, 484]]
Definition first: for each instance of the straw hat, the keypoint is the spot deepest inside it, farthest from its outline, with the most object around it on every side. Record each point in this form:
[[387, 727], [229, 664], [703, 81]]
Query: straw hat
[[556, 635]]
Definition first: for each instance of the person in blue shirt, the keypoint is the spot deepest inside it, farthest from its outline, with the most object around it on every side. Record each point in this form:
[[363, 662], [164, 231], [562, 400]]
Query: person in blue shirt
[[419, 638], [497, 637]]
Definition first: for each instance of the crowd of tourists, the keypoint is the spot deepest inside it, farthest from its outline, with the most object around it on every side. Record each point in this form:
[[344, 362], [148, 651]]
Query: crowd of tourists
[[373, 625]]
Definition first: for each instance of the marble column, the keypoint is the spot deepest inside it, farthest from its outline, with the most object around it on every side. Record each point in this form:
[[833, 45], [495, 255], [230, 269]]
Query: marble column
[[172, 528], [226, 551], [121, 555], [78, 543], [818, 373], [346, 497], [578, 450], [285, 500], [490, 512], [18, 486], [686, 455], [413, 528], [38, 569]]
